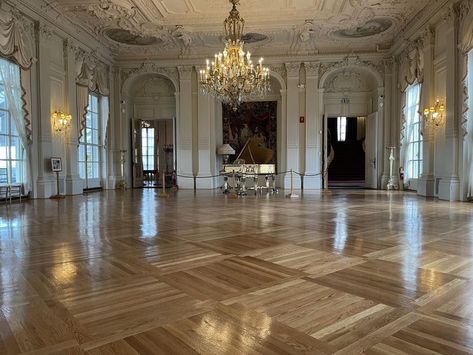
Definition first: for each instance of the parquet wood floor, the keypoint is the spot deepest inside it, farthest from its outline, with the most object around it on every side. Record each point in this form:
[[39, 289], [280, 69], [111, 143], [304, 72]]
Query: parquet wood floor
[[344, 273]]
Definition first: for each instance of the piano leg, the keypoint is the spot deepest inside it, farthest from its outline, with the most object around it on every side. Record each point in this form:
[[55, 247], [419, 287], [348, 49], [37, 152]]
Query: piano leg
[[274, 189], [225, 188], [243, 186]]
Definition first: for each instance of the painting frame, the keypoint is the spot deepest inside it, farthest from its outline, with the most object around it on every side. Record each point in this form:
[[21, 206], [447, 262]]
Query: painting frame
[[56, 164]]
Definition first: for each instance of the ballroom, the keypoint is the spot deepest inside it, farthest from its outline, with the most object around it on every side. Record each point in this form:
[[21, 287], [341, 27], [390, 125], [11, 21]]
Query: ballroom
[[236, 177]]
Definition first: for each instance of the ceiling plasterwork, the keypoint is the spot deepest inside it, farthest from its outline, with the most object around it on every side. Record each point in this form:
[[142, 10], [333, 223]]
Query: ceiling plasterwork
[[173, 28]]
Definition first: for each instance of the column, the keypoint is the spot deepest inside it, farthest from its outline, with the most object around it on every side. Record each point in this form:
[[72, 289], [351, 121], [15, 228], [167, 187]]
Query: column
[[385, 123], [206, 140], [313, 141], [449, 187], [292, 104], [46, 182], [426, 184], [74, 184], [184, 128]]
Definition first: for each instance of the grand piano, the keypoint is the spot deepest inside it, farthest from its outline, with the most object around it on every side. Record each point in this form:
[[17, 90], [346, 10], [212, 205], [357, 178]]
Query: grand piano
[[251, 164]]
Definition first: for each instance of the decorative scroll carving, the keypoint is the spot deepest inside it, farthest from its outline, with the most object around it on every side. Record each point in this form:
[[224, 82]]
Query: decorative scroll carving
[[351, 61]]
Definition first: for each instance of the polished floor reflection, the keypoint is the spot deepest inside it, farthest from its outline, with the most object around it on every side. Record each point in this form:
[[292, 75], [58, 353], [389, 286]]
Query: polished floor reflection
[[129, 273]]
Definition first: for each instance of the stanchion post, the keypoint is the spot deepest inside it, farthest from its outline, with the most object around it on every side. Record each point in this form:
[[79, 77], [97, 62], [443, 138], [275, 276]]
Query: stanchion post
[[292, 194], [326, 190], [163, 194]]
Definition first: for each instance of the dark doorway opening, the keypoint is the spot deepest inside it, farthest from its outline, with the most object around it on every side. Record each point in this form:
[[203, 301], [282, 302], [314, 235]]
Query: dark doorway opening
[[346, 137]]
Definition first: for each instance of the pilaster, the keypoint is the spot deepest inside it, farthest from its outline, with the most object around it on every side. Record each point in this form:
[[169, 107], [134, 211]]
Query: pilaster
[[74, 184], [313, 142], [184, 128], [45, 183], [449, 187], [292, 131], [206, 141], [426, 183]]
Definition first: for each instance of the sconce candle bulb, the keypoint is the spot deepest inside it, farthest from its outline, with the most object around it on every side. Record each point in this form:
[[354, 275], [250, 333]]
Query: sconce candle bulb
[[61, 121], [434, 115]]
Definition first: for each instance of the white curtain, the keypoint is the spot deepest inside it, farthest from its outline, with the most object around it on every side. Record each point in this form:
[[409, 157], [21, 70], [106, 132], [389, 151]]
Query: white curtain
[[105, 116], [410, 110], [82, 104], [469, 135], [10, 75]]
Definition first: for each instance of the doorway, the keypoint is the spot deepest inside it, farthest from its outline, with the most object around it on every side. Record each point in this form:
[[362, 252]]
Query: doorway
[[153, 153], [346, 152]]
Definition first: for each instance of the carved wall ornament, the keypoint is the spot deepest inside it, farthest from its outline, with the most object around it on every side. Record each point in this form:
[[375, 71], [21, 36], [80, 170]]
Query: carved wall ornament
[[347, 81], [152, 68], [304, 39], [353, 61]]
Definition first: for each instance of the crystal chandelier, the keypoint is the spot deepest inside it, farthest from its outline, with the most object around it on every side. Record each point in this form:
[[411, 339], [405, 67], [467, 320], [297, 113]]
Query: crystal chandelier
[[232, 77]]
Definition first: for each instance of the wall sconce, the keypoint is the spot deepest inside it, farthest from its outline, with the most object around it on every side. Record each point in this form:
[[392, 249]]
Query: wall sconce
[[434, 114], [61, 121]]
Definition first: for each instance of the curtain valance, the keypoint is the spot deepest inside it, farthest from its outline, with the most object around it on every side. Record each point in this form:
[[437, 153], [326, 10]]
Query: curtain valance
[[14, 41]]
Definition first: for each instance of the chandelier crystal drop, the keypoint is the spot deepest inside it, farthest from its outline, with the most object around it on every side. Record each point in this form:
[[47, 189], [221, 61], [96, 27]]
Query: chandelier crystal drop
[[231, 76]]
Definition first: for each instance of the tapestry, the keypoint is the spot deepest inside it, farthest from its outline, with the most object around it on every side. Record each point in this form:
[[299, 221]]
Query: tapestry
[[252, 120]]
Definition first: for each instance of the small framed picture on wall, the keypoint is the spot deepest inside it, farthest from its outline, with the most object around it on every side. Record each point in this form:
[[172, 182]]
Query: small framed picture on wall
[[56, 165]]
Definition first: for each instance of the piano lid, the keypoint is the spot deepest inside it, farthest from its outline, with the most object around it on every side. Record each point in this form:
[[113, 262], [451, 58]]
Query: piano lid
[[254, 152]]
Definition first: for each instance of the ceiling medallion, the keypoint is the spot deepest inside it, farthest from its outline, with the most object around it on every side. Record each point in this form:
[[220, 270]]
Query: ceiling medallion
[[232, 77], [370, 28]]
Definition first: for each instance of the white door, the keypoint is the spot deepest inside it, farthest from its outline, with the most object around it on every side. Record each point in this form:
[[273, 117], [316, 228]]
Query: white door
[[371, 156]]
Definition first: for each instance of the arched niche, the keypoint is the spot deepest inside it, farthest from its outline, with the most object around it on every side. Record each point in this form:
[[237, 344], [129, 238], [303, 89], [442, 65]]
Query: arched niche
[[357, 90], [351, 91], [146, 96]]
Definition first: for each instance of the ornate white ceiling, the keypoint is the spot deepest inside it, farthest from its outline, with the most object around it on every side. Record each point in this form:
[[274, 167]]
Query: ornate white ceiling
[[172, 28]]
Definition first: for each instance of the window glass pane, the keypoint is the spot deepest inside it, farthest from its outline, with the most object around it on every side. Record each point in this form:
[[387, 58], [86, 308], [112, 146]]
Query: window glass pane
[[95, 170], [95, 136], [4, 117], [15, 148], [82, 170], [16, 171], [4, 151], [3, 100], [81, 152], [95, 154], [3, 171]]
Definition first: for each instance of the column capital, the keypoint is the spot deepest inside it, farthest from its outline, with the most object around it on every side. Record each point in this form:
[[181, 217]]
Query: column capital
[[293, 69], [312, 69], [185, 72]]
